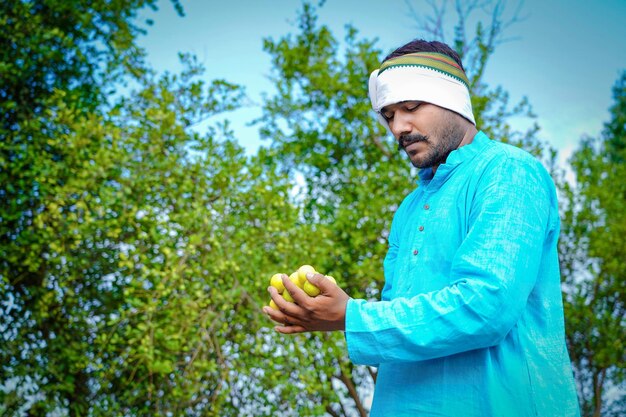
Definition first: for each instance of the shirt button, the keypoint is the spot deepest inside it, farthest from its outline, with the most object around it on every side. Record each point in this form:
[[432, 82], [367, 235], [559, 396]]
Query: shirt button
[[415, 252], [426, 206], [421, 228]]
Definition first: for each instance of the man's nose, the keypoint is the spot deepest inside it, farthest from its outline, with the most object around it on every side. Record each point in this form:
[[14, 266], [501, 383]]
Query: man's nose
[[401, 124]]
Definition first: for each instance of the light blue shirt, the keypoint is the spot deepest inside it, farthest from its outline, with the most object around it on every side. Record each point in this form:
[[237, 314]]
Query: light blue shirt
[[471, 317]]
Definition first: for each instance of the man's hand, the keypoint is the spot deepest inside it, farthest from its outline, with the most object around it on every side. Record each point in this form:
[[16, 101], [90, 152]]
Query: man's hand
[[326, 312]]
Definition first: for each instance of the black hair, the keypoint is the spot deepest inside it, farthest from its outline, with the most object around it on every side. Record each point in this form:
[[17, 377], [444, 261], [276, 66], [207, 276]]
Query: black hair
[[421, 45]]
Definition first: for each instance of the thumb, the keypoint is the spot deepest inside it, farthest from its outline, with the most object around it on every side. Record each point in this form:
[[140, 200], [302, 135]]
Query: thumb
[[320, 281]]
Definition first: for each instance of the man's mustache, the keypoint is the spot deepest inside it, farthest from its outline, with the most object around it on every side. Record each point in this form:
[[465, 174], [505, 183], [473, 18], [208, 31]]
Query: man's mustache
[[406, 140]]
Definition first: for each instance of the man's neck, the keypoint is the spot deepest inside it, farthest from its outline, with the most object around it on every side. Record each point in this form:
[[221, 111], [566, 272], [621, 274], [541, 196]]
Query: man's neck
[[470, 133], [468, 137]]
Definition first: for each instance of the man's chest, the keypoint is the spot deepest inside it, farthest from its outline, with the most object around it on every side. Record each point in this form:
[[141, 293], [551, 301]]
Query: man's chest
[[435, 226]]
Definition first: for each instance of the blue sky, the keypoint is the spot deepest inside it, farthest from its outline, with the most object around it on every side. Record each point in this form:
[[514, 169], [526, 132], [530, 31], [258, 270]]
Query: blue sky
[[564, 56]]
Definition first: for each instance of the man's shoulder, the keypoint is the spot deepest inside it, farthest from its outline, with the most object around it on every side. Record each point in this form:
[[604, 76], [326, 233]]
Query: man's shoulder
[[513, 164], [507, 155]]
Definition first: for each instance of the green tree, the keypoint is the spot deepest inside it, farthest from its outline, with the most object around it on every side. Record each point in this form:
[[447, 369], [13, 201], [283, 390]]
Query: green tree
[[320, 126], [593, 248], [132, 246], [476, 46], [202, 220], [54, 54]]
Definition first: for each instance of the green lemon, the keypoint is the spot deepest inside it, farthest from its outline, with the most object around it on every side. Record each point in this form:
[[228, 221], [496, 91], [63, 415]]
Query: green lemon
[[277, 282], [311, 289], [288, 297], [295, 278], [303, 270]]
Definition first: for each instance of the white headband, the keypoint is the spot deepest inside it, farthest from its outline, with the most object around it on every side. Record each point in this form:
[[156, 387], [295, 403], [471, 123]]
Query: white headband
[[407, 81]]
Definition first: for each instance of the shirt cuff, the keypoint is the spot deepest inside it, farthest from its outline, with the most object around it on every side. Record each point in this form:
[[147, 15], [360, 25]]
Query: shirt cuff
[[360, 342]]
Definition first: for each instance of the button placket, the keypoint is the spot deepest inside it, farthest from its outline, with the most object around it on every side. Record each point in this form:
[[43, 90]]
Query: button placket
[[421, 229], [415, 251]]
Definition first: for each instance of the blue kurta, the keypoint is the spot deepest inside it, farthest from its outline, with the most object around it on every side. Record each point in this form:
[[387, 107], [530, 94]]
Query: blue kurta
[[471, 317]]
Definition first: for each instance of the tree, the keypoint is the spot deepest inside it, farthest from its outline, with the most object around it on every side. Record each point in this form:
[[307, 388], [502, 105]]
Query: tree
[[205, 221], [132, 245], [54, 56], [476, 47], [592, 252], [320, 126]]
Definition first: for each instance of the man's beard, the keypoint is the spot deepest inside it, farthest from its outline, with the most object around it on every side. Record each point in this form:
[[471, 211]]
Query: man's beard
[[449, 137]]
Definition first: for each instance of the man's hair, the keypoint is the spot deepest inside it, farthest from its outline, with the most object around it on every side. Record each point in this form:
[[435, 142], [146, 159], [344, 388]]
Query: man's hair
[[421, 45]]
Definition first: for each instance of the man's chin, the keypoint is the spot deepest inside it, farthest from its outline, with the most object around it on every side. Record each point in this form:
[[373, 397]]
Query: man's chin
[[421, 163], [418, 163]]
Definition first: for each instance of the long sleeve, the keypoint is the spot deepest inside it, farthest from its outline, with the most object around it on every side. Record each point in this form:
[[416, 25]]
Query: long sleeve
[[492, 273]]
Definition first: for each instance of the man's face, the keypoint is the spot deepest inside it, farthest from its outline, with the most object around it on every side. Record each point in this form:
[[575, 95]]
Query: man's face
[[426, 132]]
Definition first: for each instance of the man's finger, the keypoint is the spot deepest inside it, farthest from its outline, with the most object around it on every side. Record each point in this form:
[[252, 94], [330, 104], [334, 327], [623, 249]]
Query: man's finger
[[287, 324], [324, 284], [283, 305], [279, 317], [287, 312], [292, 329], [297, 293]]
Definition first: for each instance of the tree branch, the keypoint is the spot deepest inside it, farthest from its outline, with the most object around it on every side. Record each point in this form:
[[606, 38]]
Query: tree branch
[[381, 146], [347, 381], [598, 393], [373, 373], [332, 412]]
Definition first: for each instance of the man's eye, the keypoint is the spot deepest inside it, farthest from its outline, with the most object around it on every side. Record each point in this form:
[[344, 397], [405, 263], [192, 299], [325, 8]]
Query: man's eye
[[387, 116], [413, 106]]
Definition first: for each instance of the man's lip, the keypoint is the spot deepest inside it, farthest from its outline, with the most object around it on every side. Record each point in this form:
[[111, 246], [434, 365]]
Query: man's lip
[[411, 146]]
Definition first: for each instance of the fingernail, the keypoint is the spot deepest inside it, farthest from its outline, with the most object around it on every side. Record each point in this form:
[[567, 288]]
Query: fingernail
[[309, 274]]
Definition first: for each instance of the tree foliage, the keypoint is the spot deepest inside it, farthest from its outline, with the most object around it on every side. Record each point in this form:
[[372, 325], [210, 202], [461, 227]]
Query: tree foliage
[[592, 260], [132, 245], [478, 28]]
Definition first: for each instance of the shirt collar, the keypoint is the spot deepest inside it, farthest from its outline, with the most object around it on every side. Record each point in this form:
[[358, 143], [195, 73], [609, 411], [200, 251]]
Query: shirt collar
[[456, 157]]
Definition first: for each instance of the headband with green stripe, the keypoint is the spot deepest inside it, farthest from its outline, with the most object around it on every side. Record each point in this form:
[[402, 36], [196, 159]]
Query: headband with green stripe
[[424, 76]]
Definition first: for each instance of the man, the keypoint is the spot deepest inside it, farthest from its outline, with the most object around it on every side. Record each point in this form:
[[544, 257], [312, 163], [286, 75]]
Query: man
[[471, 317]]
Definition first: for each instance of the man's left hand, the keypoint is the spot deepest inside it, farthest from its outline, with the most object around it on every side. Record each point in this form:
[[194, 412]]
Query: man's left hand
[[325, 312]]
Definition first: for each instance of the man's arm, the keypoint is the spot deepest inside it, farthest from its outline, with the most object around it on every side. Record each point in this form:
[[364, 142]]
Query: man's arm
[[492, 275], [332, 298]]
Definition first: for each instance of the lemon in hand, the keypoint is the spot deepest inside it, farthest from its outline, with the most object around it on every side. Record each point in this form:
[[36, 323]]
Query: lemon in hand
[[288, 297], [295, 278], [311, 289], [277, 282], [302, 271]]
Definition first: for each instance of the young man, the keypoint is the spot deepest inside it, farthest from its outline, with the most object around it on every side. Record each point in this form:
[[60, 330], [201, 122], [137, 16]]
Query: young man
[[471, 317]]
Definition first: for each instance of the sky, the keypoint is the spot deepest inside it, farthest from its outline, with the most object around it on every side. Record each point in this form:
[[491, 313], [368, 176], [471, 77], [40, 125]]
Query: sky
[[564, 56]]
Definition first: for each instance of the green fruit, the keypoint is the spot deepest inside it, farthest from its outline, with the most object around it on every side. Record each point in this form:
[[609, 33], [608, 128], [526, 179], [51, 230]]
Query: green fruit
[[273, 305], [311, 289], [287, 296], [303, 270], [277, 282], [295, 278]]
